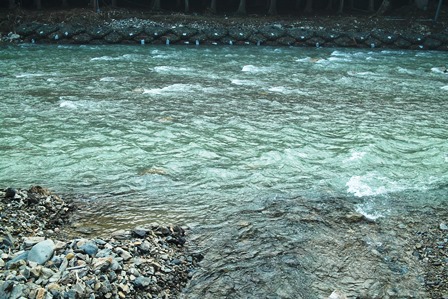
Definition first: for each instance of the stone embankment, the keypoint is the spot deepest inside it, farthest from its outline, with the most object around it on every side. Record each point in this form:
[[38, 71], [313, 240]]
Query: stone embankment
[[37, 261], [137, 31]]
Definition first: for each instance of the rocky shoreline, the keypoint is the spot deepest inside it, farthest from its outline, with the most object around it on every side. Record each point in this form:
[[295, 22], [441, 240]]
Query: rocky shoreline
[[37, 260]]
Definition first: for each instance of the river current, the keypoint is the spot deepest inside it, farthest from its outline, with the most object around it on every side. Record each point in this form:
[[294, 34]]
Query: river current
[[199, 136]]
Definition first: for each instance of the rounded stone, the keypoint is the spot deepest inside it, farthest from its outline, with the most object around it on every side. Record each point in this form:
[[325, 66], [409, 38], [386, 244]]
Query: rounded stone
[[89, 248], [41, 252]]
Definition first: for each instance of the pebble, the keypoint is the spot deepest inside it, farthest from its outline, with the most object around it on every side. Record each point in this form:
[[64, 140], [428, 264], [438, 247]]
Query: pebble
[[129, 264]]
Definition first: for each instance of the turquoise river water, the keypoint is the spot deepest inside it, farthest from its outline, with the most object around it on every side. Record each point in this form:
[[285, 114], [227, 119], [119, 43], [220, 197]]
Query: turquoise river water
[[197, 135]]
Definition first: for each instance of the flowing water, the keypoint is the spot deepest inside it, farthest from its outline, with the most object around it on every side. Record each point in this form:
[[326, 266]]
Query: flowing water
[[224, 139]]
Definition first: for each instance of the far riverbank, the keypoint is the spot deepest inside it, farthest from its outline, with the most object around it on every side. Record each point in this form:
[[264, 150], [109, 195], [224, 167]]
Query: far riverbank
[[123, 27]]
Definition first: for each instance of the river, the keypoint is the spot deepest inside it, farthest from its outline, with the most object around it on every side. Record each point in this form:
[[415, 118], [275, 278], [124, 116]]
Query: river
[[219, 138]]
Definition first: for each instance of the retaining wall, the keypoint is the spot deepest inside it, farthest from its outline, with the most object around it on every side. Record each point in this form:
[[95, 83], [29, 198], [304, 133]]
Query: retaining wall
[[274, 35]]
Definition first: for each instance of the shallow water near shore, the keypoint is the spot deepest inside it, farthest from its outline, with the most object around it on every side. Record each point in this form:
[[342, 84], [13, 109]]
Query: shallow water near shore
[[243, 144]]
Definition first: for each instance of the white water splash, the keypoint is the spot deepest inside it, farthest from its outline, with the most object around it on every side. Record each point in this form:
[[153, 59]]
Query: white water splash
[[68, 105], [255, 69], [358, 187], [244, 82], [171, 69], [173, 89], [356, 156], [108, 79], [439, 70], [365, 209]]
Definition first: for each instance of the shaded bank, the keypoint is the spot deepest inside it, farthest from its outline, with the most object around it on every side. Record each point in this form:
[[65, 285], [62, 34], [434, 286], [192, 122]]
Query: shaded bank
[[147, 32], [128, 27]]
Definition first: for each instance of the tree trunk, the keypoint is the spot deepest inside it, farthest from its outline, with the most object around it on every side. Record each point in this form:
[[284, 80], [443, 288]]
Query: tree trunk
[[341, 7], [12, 4], [241, 8], [187, 6], [383, 8], [213, 6], [38, 4], [272, 7], [114, 3], [371, 6], [64, 3], [155, 5], [309, 6]]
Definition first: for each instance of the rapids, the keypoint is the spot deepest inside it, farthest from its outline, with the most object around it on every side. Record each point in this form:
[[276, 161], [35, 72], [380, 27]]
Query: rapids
[[228, 140]]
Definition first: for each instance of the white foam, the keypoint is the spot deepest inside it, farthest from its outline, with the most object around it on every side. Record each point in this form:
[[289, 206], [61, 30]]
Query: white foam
[[306, 59], [359, 188], [108, 79], [285, 90], [356, 156], [279, 89], [29, 75], [439, 70], [444, 87], [351, 73], [104, 58], [310, 59], [339, 58], [171, 69], [243, 82], [369, 215], [341, 54], [403, 70], [255, 69], [123, 57], [174, 88], [68, 105]]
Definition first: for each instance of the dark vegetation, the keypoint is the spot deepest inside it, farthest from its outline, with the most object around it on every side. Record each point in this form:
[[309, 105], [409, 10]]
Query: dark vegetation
[[416, 16], [273, 7]]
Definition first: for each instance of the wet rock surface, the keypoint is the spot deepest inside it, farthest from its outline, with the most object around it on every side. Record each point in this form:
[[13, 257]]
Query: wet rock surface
[[324, 249], [38, 260]]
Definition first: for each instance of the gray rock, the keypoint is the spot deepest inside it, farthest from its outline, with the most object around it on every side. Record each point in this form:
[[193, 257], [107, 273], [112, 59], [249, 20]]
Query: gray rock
[[47, 273], [16, 292], [115, 265], [41, 252], [17, 261], [31, 241], [10, 193], [5, 288], [104, 252], [140, 232], [89, 248], [272, 32], [145, 246], [142, 282], [443, 226]]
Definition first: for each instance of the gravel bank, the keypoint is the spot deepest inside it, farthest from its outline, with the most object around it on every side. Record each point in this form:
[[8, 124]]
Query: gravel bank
[[38, 261]]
